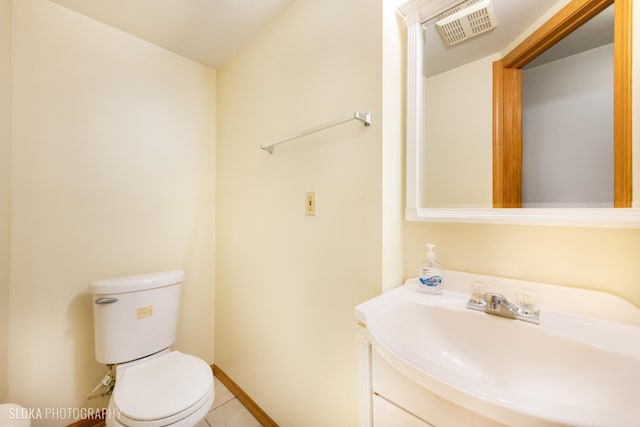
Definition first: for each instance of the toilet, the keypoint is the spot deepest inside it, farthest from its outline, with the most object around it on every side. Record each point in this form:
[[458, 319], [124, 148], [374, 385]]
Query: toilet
[[12, 415], [135, 322]]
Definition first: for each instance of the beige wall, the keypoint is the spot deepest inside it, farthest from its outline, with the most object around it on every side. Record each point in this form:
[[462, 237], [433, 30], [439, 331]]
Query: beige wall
[[393, 133], [112, 174], [601, 259], [287, 284], [462, 94], [5, 179]]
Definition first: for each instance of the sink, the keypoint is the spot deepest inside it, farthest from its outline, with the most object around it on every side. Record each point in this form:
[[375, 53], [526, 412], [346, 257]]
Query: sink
[[571, 369]]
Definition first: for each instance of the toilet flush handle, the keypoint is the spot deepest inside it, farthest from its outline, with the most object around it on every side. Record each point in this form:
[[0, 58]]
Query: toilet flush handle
[[106, 300]]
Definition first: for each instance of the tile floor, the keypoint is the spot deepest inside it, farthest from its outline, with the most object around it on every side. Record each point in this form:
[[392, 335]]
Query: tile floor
[[227, 411]]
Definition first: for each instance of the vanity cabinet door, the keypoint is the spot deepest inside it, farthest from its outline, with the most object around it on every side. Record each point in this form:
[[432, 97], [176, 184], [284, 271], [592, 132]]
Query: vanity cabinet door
[[386, 414], [410, 399]]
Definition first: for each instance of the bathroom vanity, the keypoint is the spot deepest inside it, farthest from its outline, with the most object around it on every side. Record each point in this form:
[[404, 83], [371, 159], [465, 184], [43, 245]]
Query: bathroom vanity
[[430, 360]]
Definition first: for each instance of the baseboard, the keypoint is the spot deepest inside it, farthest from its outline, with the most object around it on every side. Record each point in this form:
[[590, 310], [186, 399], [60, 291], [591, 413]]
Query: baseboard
[[243, 397], [95, 421]]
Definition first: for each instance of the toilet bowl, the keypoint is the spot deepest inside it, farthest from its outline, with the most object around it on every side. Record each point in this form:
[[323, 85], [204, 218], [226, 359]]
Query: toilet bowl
[[135, 322], [12, 415], [170, 388]]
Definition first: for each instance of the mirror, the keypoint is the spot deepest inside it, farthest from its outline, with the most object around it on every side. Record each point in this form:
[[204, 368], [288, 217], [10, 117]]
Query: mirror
[[454, 180], [567, 120]]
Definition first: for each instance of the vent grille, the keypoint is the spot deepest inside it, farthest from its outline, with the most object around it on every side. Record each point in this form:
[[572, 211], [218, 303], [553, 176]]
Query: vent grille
[[457, 8], [466, 20]]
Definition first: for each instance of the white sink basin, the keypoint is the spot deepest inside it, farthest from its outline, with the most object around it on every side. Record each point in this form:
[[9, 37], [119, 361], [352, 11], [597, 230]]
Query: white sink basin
[[570, 369]]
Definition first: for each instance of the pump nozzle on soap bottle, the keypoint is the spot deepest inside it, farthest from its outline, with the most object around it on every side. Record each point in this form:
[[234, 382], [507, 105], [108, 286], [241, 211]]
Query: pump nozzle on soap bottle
[[430, 277]]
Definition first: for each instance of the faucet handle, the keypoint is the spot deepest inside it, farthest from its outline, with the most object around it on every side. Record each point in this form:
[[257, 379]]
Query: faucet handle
[[526, 301], [476, 300], [477, 292]]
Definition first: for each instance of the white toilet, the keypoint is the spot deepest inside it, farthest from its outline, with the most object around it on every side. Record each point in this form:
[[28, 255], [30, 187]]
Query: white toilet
[[12, 415], [135, 321]]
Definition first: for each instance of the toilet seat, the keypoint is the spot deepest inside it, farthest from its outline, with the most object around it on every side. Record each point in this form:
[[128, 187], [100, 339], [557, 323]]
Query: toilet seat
[[163, 390], [12, 415]]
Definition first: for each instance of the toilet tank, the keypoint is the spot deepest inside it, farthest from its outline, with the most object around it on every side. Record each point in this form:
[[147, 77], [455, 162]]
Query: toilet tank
[[135, 316]]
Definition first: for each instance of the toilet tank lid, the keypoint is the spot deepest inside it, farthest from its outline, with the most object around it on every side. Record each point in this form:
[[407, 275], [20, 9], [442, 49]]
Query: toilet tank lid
[[136, 283]]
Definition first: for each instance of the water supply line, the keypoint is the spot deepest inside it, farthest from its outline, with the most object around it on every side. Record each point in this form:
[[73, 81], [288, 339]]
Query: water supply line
[[105, 387]]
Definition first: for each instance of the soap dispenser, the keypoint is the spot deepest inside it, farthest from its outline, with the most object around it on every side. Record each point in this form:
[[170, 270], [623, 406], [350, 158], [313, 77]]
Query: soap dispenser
[[430, 278]]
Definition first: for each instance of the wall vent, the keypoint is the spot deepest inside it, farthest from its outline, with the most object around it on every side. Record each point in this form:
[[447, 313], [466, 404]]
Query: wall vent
[[466, 20]]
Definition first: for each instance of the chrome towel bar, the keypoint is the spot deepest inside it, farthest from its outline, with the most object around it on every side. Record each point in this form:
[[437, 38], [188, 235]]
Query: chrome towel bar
[[363, 117]]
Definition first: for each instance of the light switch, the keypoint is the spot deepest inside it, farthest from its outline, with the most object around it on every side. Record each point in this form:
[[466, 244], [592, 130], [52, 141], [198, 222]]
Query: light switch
[[310, 203]]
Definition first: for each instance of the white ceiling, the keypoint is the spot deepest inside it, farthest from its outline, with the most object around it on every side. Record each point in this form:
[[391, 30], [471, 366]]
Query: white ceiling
[[514, 17], [206, 31], [211, 31]]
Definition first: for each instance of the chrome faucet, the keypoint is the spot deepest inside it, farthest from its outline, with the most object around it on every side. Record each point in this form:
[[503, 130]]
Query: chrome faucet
[[498, 305]]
